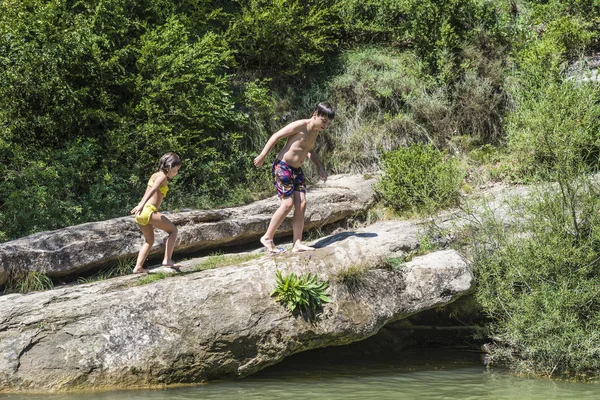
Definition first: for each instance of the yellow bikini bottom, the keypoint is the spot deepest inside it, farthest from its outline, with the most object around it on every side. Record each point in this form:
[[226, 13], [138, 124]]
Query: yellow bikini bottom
[[144, 217]]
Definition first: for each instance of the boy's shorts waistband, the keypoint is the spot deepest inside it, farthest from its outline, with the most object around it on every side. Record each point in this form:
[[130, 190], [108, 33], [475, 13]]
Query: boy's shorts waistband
[[278, 161]]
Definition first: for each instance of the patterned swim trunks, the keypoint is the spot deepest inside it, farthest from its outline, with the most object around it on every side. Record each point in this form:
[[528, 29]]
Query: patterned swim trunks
[[287, 179]]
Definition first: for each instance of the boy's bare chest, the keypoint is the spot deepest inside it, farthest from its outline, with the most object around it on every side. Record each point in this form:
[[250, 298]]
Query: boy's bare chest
[[306, 141]]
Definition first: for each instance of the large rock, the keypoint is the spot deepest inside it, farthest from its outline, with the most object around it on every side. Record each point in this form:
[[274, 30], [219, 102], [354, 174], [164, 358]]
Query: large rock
[[217, 323], [82, 248]]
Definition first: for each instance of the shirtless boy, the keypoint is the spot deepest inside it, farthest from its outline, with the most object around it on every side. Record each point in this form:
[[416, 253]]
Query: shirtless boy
[[288, 176]]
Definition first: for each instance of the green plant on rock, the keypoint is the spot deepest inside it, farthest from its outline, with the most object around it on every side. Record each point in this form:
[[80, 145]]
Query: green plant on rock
[[304, 293]]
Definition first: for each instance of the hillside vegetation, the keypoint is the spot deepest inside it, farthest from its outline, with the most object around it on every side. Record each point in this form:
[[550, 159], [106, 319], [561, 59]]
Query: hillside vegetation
[[441, 95]]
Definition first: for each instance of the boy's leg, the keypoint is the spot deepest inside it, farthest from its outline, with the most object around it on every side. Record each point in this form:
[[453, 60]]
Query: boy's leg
[[148, 232], [163, 223], [283, 179], [298, 222], [284, 209]]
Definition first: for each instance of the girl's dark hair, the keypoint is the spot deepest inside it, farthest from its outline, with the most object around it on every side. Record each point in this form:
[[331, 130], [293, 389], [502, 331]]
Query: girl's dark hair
[[168, 161], [324, 109]]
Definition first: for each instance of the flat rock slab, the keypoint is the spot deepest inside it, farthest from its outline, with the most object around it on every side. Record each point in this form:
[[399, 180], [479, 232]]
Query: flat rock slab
[[84, 248], [218, 323]]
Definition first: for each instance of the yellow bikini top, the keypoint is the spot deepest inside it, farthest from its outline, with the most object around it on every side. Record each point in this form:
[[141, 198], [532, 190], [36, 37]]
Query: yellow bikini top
[[164, 189]]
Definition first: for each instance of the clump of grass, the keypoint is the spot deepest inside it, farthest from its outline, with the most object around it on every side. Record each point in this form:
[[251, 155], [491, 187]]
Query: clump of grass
[[122, 266], [395, 263], [152, 278], [352, 276], [28, 281], [426, 245], [218, 260]]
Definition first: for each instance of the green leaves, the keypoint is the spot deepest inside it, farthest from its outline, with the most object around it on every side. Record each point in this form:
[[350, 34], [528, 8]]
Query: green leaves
[[281, 37], [303, 293], [537, 279], [420, 177]]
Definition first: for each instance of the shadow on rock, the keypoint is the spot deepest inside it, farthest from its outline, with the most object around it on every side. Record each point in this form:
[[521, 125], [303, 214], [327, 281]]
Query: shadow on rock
[[341, 236]]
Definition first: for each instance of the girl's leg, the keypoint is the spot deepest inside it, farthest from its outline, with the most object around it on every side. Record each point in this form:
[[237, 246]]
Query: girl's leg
[[284, 209], [148, 232], [298, 222], [163, 223]]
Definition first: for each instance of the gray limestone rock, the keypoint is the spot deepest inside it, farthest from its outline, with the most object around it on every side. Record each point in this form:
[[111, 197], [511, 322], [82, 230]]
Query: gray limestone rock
[[217, 323], [86, 247]]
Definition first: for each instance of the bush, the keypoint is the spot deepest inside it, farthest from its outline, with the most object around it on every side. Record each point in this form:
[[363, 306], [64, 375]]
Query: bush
[[371, 96], [436, 31], [370, 21], [121, 83], [419, 177], [281, 38], [537, 281], [555, 129], [378, 79], [544, 52]]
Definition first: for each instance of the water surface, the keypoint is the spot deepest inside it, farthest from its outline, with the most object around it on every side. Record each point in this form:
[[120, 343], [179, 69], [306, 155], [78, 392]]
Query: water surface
[[415, 374]]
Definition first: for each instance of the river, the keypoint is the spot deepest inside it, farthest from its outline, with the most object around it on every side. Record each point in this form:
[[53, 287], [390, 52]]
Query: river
[[414, 374]]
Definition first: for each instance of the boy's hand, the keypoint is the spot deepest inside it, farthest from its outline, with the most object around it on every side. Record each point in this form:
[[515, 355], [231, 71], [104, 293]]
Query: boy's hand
[[258, 161], [323, 175]]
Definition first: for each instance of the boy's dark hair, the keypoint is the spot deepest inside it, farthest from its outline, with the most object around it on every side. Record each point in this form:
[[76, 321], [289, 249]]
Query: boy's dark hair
[[324, 109], [168, 161]]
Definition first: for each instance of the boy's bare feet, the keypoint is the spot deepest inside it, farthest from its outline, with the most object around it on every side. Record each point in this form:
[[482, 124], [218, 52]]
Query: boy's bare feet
[[140, 270], [270, 246], [299, 247]]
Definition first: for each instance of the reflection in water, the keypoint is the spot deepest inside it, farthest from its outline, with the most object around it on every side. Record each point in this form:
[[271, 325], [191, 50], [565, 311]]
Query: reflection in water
[[422, 375]]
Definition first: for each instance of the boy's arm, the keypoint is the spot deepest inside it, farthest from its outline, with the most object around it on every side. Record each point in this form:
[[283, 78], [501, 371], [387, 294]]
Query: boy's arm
[[313, 157], [287, 130]]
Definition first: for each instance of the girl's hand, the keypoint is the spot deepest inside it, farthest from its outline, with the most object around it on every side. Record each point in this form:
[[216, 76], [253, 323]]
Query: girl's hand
[[136, 210]]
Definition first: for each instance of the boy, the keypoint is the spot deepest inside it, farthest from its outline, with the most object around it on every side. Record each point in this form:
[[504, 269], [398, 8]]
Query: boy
[[289, 179]]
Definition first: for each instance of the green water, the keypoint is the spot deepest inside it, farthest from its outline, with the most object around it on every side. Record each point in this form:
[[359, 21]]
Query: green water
[[415, 375]]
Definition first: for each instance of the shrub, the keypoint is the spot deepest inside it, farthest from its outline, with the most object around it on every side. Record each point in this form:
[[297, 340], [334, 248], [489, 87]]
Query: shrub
[[420, 177], [537, 281], [303, 293], [478, 108], [282, 37], [436, 30], [370, 21], [123, 82], [555, 128], [381, 78], [371, 96]]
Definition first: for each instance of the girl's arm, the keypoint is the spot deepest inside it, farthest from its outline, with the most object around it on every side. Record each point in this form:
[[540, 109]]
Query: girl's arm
[[158, 181], [286, 131]]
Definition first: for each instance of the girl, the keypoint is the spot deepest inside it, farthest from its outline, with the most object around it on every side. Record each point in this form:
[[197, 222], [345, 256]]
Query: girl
[[148, 217]]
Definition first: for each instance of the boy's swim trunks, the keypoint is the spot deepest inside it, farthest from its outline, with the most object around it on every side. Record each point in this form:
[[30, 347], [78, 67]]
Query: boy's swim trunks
[[144, 217], [287, 179]]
